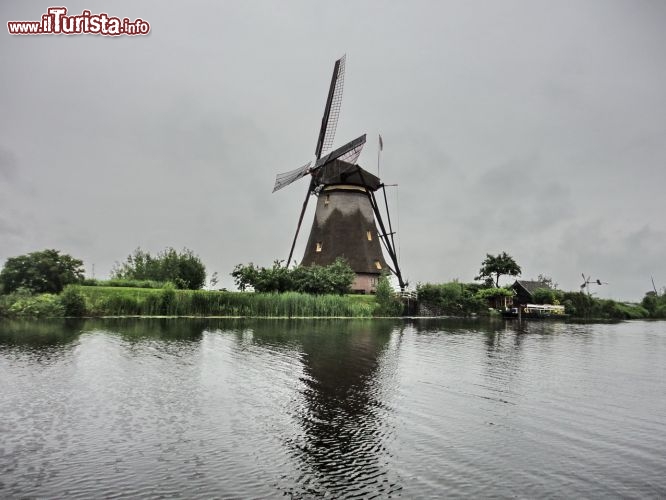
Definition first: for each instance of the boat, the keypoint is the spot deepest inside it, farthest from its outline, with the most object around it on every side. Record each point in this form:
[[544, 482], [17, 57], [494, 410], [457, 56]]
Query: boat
[[535, 311]]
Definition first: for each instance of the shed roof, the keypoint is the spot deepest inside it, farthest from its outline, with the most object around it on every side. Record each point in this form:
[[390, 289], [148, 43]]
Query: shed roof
[[531, 286]]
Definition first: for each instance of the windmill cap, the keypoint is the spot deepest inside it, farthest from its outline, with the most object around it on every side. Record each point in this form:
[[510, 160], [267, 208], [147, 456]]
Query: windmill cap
[[340, 172]]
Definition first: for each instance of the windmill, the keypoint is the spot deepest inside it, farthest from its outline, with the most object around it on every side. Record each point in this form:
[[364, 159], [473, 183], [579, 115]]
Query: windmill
[[347, 221], [587, 282]]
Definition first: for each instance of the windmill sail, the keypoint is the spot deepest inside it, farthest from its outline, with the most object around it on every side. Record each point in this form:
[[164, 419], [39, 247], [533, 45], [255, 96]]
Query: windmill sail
[[286, 178], [329, 121], [349, 152], [352, 155]]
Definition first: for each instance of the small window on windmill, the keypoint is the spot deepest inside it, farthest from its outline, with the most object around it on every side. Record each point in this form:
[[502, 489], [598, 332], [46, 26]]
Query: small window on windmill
[[378, 265], [318, 249], [327, 199], [369, 234]]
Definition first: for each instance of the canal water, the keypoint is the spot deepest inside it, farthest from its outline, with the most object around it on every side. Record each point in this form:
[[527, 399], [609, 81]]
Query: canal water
[[338, 408]]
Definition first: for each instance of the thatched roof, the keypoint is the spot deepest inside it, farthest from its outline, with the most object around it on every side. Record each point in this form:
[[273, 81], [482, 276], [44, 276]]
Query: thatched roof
[[341, 172], [340, 226]]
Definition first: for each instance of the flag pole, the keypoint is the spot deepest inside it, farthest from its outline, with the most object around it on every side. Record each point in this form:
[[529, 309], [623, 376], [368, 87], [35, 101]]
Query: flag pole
[[379, 152]]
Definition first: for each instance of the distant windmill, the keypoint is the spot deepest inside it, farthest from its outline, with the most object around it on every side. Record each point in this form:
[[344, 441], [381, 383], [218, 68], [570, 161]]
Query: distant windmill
[[587, 282], [347, 220]]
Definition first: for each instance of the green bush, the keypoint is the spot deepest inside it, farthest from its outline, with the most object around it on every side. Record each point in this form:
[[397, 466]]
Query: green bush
[[655, 304], [546, 296], [45, 305], [388, 303], [659, 312], [491, 293], [8, 300], [184, 269], [453, 298], [580, 305], [331, 279], [73, 301], [632, 311], [318, 280]]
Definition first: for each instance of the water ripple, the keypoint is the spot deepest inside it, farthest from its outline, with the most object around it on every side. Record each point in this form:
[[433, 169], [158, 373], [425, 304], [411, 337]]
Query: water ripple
[[342, 409]]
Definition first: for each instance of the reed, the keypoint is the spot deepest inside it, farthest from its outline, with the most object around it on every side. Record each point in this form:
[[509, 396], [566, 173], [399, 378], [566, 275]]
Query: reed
[[112, 301], [125, 283]]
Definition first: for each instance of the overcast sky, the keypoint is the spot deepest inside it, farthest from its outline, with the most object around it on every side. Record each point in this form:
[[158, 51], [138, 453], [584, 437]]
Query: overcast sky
[[532, 127]]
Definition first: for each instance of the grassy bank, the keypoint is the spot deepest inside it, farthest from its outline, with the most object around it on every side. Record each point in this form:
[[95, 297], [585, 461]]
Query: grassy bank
[[450, 300], [111, 301]]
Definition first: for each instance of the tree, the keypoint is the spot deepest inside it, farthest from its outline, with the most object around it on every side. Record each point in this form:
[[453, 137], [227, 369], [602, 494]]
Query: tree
[[547, 280], [335, 278], [495, 266], [47, 271], [245, 277], [184, 269]]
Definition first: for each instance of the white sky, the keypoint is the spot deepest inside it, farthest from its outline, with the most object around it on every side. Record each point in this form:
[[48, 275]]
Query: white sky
[[532, 127]]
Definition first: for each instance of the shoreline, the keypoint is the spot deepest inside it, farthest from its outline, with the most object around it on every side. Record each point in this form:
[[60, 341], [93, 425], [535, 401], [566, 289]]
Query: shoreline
[[577, 320]]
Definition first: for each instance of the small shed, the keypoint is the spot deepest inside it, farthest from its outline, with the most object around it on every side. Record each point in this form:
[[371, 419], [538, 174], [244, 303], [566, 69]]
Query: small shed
[[499, 302]]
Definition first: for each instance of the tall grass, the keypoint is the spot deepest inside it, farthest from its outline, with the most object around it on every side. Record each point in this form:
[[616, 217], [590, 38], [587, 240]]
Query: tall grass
[[110, 301], [125, 283]]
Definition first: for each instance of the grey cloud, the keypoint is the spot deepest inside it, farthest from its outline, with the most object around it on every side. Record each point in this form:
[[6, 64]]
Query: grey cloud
[[520, 131], [8, 165], [518, 197], [9, 229]]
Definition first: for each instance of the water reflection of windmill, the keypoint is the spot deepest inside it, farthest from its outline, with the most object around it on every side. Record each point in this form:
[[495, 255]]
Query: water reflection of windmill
[[347, 215], [348, 371], [587, 282]]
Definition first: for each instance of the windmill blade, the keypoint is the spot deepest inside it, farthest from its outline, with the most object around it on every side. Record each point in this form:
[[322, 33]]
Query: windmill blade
[[329, 121], [352, 156], [300, 221], [286, 178], [349, 153]]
